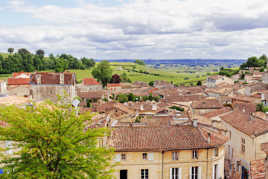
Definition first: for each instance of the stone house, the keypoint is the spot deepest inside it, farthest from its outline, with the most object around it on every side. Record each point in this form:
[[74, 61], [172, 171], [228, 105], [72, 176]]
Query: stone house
[[213, 81], [90, 84], [48, 85], [246, 132], [177, 152], [204, 106], [19, 84], [114, 87]]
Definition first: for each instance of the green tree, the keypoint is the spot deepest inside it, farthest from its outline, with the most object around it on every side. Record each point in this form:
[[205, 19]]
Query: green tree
[[10, 50], [199, 83], [49, 140], [103, 72], [139, 62], [40, 53], [151, 83]]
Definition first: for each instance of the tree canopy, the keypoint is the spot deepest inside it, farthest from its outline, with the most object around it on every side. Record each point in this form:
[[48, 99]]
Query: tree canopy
[[255, 62], [103, 72], [139, 62], [49, 140], [23, 60], [116, 78]]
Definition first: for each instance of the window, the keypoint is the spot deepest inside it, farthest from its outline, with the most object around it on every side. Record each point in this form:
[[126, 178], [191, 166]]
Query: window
[[216, 152], [175, 156], [194, 172], [123, 174], [195, 154], [243, 145], [215, 169], [144, 174], [175, 173], [123, 156], [144, 156]]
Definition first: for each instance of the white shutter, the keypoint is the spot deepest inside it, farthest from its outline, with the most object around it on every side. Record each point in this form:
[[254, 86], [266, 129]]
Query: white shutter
[[151, 156], [218, 171], [117, 157], [170, 173], [199, 173], [213, 166], [179, 173], [190, 173]]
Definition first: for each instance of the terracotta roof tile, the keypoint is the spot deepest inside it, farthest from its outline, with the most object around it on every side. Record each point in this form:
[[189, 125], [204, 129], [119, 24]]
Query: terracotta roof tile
[[90, 81], [245, 123], [161, 138], [18, 81], [207, 104]]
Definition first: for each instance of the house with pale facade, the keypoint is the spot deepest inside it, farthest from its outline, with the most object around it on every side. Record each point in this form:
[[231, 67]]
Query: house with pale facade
[[163, 152], [247, 132]]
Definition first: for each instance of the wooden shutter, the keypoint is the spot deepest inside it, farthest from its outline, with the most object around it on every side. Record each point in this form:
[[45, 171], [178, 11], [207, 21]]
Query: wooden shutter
[[179, 173], [170, 173]]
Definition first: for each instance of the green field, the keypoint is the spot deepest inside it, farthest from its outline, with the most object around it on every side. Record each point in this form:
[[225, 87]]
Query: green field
[[154, 74]]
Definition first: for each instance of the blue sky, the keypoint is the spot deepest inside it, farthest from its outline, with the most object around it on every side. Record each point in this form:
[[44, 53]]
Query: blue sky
[[154, 29]]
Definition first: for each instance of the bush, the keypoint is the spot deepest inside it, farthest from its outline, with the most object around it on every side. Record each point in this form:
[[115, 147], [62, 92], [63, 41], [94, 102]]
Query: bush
[[177, 108]]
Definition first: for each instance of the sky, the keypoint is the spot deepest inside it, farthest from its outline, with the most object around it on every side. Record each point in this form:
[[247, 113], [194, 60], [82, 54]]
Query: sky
[[130, 29]]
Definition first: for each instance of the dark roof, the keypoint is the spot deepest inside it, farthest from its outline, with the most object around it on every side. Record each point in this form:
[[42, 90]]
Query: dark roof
[[162, 138]]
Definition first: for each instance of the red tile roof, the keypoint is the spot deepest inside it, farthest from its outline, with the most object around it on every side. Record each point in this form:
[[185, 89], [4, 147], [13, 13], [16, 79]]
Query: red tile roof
[[161, 138], [54, 78], [90, 81], [217, 112], [245, 123], [18, 81], [207, 104]]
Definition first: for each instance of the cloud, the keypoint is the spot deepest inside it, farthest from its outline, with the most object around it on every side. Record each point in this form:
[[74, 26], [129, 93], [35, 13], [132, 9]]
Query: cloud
[[143, 29]]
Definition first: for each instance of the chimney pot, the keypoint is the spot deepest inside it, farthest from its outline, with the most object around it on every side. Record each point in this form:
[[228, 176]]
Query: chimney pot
[[195, 122]]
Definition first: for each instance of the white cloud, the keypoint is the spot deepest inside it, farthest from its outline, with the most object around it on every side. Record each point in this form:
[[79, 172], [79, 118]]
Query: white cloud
[[145, 29]]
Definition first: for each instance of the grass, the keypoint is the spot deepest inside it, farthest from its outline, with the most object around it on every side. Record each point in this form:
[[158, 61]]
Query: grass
[[133, 72], [4, 76]]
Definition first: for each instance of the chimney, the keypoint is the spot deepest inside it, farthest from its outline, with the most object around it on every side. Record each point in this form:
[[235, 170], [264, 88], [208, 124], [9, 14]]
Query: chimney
[[251, 117], [38, 79], [209, 138], [243, 110], [141, 108], [195, 122], [62, 78]]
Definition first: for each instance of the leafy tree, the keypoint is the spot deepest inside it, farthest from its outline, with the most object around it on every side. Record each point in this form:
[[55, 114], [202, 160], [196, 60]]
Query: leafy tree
[[23, 51], [151, 83], [88, 63], [50, 141], [103, 72], [199, 83], [124, 78], [140, 62], [40, 53], [10, 50], [115, 79]]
